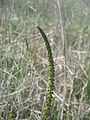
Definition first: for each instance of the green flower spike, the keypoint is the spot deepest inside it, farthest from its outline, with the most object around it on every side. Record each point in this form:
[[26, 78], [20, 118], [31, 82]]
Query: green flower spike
[[47, 107]]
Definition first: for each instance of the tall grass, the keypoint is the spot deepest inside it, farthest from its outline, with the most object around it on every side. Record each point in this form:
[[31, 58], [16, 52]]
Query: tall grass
[[23, 61]]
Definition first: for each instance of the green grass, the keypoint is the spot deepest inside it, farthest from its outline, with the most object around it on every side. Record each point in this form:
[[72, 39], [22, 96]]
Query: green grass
[[24, 68]]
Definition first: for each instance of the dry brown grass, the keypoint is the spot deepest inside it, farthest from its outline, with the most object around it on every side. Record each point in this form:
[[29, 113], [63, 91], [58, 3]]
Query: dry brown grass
[[23, 60]]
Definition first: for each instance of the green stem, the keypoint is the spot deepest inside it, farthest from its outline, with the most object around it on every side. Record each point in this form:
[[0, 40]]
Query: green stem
[[47, 108]]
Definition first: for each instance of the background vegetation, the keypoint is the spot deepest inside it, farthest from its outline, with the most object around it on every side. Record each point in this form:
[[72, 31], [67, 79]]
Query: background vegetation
[[23, 58]]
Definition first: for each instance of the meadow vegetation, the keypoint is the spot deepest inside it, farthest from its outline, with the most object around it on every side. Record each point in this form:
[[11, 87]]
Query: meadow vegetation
[[24, 67]]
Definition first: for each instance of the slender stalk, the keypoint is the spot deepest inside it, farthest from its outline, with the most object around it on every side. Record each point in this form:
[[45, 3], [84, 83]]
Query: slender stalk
[[47, 108], [60, 4]]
